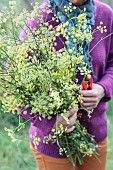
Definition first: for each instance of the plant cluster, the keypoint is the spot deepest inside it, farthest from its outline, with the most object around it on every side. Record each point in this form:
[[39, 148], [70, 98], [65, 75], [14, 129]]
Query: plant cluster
[[78, 142], [44, 80]]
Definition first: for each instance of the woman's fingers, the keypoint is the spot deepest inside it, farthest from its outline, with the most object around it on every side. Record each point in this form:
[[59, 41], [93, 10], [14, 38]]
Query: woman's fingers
[[89, 108], [60, 120], [69, 121], [89, 99], [71, 126], [71, 112], [72, 119], [88, 93], [88, 104], [70, 129]]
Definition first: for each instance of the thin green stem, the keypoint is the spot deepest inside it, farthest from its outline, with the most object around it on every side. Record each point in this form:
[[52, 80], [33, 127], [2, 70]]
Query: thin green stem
[[100, 41], [13, 31], [69, 151]]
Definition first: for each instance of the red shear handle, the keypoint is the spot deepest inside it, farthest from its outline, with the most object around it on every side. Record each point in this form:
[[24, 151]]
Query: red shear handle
[[87, 83]]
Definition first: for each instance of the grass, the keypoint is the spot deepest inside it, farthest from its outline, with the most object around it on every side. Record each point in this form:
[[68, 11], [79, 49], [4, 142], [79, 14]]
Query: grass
[[14, 156], [20, 157], [110, 144]]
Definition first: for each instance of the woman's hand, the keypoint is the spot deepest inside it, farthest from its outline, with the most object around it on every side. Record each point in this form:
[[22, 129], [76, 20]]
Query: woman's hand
[[69, 125], [91, 98]]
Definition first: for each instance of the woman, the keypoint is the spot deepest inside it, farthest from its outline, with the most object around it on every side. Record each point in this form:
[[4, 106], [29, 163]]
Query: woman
[[47, 155]]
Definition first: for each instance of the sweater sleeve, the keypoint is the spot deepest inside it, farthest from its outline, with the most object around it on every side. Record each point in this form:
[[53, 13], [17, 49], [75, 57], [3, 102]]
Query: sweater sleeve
[[107, 80], [44, 125]]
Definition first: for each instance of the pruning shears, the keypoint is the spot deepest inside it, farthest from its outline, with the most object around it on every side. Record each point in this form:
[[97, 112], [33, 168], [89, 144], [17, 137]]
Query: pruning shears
[[87, 83]]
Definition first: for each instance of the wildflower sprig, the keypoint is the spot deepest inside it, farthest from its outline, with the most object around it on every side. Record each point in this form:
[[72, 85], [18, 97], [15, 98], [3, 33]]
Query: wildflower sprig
[[79, 142]]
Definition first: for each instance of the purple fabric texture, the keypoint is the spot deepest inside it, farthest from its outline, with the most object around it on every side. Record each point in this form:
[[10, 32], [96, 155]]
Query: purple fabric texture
[[102, 56]]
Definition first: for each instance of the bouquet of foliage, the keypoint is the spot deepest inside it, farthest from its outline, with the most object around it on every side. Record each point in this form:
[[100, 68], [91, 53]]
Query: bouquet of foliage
[[33, 74]]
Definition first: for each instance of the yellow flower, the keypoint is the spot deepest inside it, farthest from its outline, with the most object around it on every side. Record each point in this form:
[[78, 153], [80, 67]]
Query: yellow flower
[[59, 28], [101, 30], [62, 31], [74, 7], [3, 31], [4, 20], [54, 38], [58, 34], [50, 27], [55, 43], [101, 22], [67, 23], [81, 16], [84, 9], [105, 30], [53, 18]]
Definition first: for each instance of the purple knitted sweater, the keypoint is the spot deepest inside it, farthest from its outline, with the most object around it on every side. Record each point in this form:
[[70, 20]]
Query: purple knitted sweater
[[102, 56]]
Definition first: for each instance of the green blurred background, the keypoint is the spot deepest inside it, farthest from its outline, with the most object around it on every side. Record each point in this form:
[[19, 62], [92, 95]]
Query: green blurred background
[[18, 157]]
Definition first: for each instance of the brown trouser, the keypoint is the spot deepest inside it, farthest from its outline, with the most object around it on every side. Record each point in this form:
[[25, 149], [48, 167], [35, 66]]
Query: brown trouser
[[45, 162]]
